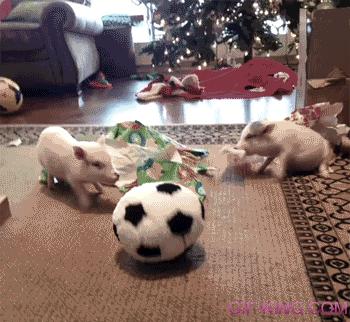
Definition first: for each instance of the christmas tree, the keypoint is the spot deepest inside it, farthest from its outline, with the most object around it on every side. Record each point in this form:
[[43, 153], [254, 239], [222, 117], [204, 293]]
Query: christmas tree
[[193, 29]]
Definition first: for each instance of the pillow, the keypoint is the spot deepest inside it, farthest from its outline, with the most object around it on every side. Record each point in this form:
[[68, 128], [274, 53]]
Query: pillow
[[5, 8]]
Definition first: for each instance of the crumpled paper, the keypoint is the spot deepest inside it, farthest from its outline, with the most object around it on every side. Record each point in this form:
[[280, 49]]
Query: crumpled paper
[[141, 154], [334, 76], [323, 113]]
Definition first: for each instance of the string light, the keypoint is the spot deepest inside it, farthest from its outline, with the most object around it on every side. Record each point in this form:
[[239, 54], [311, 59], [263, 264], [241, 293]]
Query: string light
[[235, 46], [187, 33], [162, 23], [199, 67], [297, 57], [182, 57], [268, 54], [188, 51], [178, 18], [166, 52], [205, 64], [246, 53], [169, 70], [153, 65], [178, 61], [200, 22], [177, 39]]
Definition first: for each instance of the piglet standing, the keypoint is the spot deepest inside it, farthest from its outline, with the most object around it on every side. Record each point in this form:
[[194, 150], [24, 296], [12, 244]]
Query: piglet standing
[[75, 162], [292, 147]]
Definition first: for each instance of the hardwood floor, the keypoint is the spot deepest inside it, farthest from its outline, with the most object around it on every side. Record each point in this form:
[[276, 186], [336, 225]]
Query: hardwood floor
[[110, 106]]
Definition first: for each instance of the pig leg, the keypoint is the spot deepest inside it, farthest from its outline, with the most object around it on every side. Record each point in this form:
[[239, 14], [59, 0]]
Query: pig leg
[[98, 187], [50, 181], [82, 195], [265, 165], [324, 170], [280, 169]]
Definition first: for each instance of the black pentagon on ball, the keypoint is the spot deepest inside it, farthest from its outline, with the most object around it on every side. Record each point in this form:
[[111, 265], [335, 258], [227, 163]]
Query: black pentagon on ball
[[18, 94], [202, 210], [115, 231], [145, 251], [169, 188], [134, 213], [180, 224]]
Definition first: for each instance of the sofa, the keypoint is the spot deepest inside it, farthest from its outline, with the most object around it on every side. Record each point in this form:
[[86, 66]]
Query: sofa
[[49, 44]]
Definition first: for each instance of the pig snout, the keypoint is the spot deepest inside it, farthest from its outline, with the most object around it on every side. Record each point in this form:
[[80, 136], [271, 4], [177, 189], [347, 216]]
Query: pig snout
[[239, 146], [115, 175]]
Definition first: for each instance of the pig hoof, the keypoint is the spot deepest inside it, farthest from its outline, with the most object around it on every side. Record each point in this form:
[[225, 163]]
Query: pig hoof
[[85, 204], [279, 175], [324, 174]]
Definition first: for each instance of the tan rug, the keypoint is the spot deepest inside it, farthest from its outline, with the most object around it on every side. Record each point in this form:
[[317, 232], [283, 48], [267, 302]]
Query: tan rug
[[58, 264]]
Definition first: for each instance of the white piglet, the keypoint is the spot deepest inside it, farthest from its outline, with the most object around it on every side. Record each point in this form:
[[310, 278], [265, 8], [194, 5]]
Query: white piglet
[[75, 162], [293, 147]]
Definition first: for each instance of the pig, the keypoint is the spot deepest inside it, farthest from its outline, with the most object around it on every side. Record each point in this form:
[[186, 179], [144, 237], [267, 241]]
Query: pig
[[75, 162], [294, 148]]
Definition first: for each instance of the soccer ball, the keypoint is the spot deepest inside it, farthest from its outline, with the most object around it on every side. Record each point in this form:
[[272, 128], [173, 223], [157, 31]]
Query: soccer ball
[[11, 97], [158, 221]]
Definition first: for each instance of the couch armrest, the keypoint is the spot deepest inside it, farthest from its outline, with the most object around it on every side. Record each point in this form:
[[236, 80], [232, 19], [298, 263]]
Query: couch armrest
[[71, 16]]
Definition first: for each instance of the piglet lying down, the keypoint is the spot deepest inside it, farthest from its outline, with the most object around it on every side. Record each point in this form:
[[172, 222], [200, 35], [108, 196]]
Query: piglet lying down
[[75, 162], [292, 147]]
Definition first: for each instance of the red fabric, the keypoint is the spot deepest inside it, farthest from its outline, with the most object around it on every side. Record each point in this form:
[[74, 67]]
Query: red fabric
[[5, 8], [232, 82], [235, 82]]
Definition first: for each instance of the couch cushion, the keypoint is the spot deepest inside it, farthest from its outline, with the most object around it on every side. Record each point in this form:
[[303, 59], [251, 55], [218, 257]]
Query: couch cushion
[[21, 36]]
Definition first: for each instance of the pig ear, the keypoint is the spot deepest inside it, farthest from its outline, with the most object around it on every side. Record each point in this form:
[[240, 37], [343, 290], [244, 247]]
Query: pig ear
[[101, 139], [79, 153], [268, 128]]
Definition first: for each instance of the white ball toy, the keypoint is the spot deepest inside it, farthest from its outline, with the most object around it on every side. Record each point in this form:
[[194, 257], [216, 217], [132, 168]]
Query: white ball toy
[[158, 221], [11, 97]]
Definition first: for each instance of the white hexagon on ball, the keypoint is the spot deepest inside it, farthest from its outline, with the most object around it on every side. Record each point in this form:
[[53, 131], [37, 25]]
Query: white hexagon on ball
[[158, 221], [11, 97]]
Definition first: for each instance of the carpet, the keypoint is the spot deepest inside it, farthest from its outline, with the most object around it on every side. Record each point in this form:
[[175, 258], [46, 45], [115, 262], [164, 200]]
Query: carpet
[[266, 246]]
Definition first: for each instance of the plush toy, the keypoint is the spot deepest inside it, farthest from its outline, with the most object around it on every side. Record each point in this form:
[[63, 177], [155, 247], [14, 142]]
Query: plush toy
[[158, 221], [188, 88], [11, 97]]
